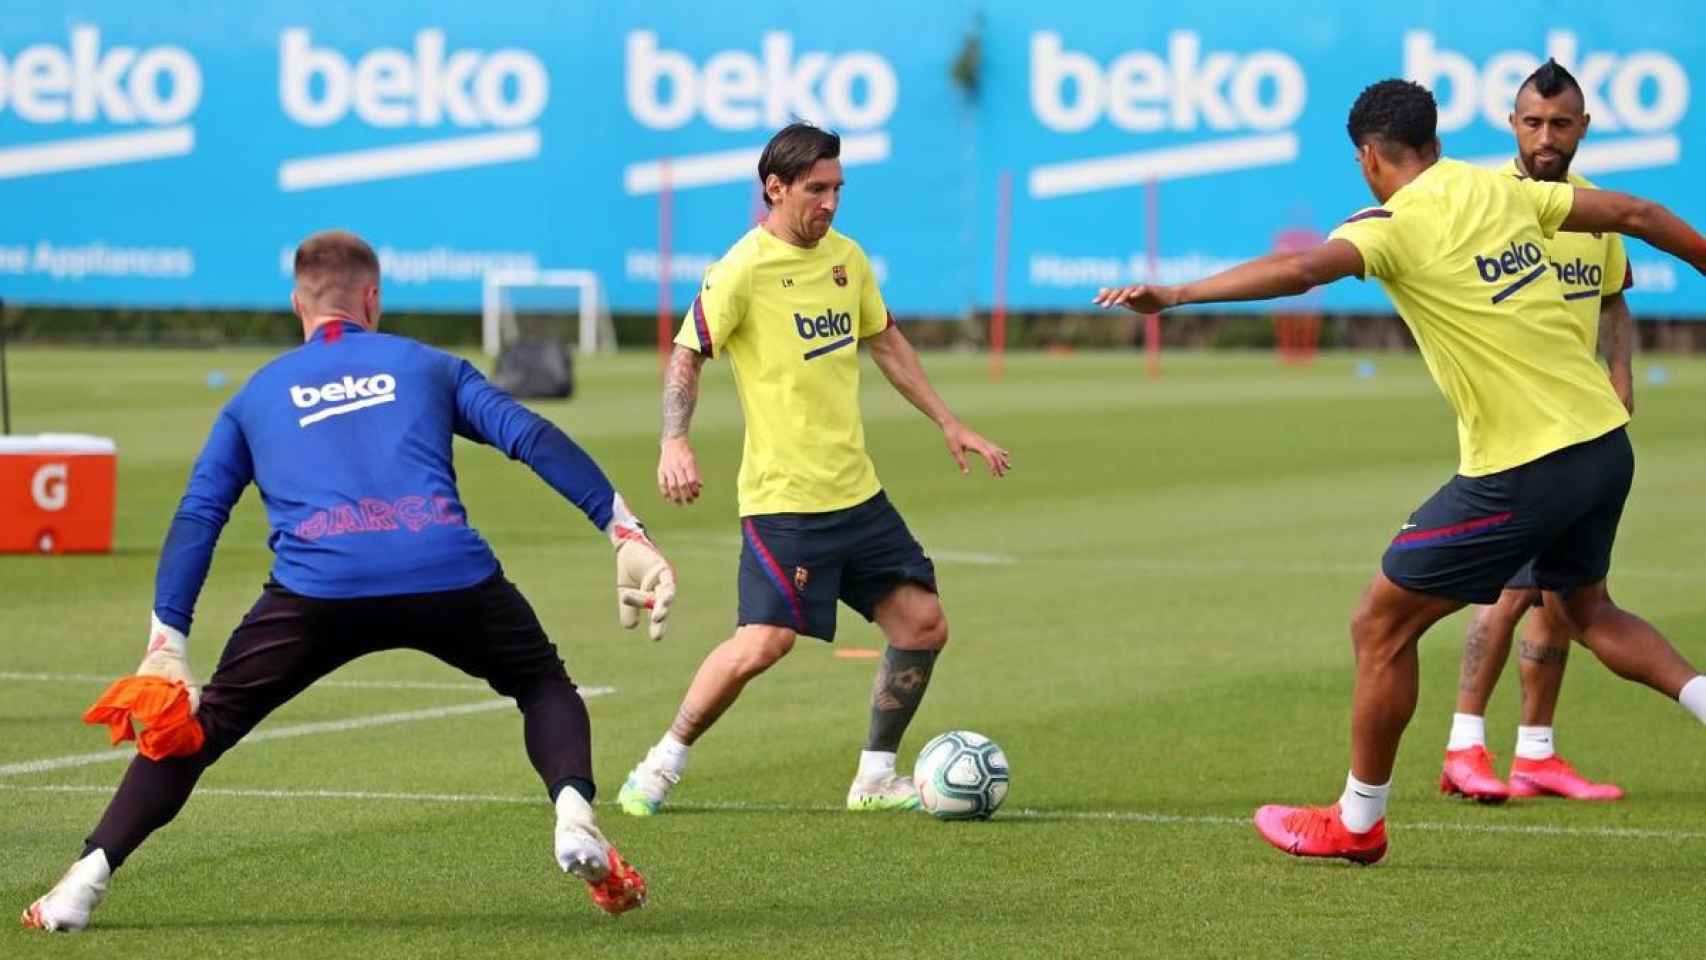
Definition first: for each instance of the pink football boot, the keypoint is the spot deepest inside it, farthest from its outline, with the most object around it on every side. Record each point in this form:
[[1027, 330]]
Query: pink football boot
[[1554, 777], [1318, 832], [1469, 773]]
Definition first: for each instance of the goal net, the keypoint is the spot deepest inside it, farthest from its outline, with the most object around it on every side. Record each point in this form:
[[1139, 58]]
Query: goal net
[[566, 306]]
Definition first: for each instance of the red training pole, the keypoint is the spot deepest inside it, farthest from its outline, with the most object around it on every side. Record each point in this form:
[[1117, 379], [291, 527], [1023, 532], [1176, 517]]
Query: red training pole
[[1003, 241], [1152, 322], [666, 230]]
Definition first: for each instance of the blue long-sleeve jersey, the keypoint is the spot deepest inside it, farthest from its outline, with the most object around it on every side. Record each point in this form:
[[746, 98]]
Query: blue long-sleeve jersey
[[348, 439]]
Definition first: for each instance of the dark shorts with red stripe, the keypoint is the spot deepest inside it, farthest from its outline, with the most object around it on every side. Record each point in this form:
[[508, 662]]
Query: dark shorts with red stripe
[[1477, 533], [795, 566]]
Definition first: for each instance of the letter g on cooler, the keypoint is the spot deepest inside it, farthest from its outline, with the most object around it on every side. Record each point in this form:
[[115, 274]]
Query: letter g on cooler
[[51, 487]]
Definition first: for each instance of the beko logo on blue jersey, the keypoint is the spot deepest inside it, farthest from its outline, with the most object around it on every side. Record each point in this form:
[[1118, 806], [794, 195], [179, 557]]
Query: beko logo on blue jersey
[[350, 394]]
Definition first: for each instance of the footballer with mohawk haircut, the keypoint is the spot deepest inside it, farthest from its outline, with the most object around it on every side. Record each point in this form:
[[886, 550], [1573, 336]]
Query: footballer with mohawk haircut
[[1549, 121], [1545, 461]]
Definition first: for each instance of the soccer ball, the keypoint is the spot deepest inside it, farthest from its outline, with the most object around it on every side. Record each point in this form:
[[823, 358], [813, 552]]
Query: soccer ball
[[961, 775]]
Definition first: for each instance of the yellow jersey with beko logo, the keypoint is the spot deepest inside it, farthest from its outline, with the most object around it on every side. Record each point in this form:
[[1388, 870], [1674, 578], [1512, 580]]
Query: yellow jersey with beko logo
[[790, 320], [1461, 250], [1589, 266]]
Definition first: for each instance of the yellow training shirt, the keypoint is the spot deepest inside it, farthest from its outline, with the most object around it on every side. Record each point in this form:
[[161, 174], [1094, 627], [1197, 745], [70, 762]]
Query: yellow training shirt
[[1461, 252], [790, 320], [1590, 266]]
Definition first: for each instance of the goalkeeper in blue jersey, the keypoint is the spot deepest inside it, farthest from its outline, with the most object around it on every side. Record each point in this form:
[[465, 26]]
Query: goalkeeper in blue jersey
[[348, 439]]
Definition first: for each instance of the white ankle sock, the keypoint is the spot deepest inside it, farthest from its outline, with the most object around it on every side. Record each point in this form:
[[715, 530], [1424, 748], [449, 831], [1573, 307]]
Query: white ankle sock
[[93, 870], [573, 808], [1467, 730], [1534, 743], [1693, 697], [1362, 805], [875, 763], [671, 753]]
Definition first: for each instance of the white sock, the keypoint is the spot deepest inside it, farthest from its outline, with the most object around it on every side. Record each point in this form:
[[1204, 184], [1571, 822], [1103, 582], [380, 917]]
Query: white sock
[[874, 763], [1362, 805], [1534, 743], [1467, 730], [1693, 697], [573, 808], [93, 870], [671, 754]]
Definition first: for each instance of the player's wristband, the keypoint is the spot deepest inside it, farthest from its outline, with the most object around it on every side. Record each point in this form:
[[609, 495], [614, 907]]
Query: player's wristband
[[623, 524], [163, 636]]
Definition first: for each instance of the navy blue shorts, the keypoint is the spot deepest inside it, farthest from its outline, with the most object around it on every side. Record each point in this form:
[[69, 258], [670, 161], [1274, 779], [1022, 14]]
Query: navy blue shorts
[[1524, 579], [795, 566], [1476, 534]]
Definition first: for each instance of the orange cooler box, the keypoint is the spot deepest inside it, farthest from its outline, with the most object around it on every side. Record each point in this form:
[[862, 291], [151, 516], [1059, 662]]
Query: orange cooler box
[[56, 493]]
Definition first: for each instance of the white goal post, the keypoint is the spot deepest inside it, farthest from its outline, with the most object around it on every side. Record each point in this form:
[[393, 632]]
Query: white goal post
[[498, 314]]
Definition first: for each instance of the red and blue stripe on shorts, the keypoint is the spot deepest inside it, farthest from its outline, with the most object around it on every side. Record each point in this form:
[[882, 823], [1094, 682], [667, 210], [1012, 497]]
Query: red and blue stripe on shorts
[[1438, 536], [774, 572]]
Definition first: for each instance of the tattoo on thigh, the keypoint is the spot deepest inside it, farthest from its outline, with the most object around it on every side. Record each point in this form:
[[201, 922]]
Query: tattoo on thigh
[[1540, 653]]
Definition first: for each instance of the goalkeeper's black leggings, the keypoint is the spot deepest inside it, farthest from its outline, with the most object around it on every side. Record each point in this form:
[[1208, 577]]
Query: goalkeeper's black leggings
[[287, 641]]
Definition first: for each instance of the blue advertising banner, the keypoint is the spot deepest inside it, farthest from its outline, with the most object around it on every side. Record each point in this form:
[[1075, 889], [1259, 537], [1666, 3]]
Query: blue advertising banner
[[174, 155], [1234, 116]]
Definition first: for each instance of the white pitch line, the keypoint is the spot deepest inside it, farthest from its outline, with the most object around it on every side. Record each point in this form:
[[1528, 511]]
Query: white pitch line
[[256, 794], [1085, 816], [1138, 816], [342, 684], [699, 544], [287, 732], [973, 558]]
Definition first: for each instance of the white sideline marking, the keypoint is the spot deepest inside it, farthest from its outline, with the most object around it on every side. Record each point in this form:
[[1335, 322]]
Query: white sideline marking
[[1167, 163], [384, 163], [1088, 816], [288, 732], [734, 166], [346, 684], [254, 794], [972, 557], [975, 559], [1612, 156], [101, 151]]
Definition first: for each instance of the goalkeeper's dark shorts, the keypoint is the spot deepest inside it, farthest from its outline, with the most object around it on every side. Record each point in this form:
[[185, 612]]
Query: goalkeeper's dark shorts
[[288, 641], [795, 566], [1557, 516]]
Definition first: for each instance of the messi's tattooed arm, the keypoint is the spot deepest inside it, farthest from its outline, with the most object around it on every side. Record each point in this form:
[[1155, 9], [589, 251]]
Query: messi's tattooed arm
[[681, 391], [678, 471]]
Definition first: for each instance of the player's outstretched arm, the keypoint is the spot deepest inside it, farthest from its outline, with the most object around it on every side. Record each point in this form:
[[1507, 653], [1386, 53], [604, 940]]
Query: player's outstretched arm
[[644, 578], [221, 473], [899, 363], [1607, 211], [1617, 345], [1264, 278], [678, 471]]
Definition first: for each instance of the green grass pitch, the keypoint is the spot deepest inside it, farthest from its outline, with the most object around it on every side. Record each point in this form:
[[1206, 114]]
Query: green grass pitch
[[1149, 614]]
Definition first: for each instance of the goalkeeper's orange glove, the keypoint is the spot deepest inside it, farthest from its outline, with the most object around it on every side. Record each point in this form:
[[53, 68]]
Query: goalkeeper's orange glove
[[161, 696]]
